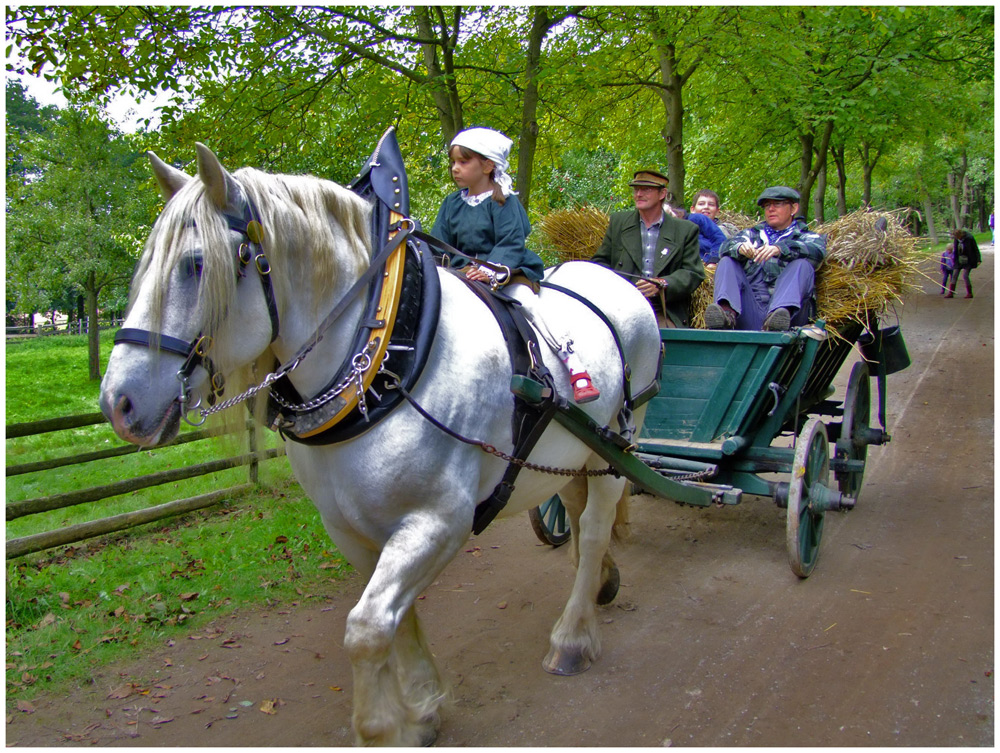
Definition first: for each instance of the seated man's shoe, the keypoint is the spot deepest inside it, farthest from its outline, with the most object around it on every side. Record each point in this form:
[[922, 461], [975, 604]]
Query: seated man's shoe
[[778, 320], [720, 316], [584, 390]]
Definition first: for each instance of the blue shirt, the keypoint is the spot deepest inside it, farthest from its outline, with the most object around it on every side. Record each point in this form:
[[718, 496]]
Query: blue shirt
[[710, 237]]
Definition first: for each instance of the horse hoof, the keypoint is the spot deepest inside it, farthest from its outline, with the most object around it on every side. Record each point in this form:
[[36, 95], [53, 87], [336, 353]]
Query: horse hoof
[[565, 662], [428, 737], [609, 589]]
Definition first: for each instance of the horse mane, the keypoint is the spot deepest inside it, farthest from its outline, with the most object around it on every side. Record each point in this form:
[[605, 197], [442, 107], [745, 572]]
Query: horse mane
[[314, 230]]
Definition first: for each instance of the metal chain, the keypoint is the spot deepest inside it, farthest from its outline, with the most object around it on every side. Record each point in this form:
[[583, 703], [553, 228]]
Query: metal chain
[[490, 449], [354, 376], [359, 364]]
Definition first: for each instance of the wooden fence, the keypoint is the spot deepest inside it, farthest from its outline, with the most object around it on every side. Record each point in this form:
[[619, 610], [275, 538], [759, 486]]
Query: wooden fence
[[37, 542], [76, 327]]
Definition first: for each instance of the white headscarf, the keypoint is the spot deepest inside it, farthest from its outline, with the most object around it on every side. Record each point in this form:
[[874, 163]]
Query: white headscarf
[[495, 147]]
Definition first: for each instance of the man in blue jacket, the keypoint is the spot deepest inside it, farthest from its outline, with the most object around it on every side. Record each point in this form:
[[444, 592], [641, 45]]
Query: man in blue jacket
[[766, 278]]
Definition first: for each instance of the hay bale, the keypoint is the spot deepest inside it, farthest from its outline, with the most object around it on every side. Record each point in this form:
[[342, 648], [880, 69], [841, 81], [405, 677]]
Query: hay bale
[[739, 220], [574, 233], [868, 240]]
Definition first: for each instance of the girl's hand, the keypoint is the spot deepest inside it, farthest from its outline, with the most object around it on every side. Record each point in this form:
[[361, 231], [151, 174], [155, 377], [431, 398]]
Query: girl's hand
[[473, 272]]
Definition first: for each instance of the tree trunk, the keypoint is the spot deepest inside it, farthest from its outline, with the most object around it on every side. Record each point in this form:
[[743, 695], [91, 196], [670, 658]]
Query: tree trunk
[[819, 197], [443, 91], [673, 131], [808, 171], [868, 163], [965, 213], [540, 25], [956, 189], [929, 214], [93, 330], [840, 159]]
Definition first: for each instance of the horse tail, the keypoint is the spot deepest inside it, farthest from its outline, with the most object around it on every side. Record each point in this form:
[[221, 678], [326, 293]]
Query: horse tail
[[621, 530]]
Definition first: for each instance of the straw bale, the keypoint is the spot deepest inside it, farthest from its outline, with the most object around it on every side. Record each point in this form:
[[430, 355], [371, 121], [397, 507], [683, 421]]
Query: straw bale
[[574, 233], [739, 220]]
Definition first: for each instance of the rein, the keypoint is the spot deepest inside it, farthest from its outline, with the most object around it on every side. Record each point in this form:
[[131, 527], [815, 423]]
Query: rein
[[485, 446]]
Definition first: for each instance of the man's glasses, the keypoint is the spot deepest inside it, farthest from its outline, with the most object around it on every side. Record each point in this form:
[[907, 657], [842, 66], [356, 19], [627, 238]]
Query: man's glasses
[[767, 204]]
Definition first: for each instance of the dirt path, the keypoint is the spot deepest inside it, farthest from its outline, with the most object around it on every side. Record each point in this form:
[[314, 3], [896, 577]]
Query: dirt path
[[712, 641]]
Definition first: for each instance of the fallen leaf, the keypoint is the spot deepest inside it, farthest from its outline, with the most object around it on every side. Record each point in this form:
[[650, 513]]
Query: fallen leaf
[[47, 620], [502, 605], [267, 707], [336, 688], [25, 708], [161, 719], [190, 596], [123, 691], [281, 642]]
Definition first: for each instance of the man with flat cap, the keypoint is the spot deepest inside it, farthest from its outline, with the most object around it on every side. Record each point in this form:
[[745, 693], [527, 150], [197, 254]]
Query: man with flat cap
[[655, 250], [766, 278]]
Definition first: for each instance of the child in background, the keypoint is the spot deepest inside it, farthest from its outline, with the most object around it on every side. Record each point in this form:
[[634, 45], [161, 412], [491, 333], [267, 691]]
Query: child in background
[[485, 220], [947, 266]]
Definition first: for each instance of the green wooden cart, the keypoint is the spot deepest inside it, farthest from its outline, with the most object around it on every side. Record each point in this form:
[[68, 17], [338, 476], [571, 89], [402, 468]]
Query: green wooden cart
[[726, 396]]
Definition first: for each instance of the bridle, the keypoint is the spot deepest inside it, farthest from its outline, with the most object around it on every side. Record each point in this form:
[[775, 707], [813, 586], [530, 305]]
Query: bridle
[[195, 352]]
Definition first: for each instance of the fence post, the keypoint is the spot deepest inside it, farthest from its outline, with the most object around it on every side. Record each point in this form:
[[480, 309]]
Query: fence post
[[254, 463]]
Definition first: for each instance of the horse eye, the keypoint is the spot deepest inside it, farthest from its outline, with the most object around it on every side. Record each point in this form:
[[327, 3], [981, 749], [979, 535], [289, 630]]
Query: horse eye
[[193, 266]]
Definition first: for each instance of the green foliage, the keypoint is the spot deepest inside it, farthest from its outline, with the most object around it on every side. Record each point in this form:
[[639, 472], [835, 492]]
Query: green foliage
[[730, 98], [81, 220]]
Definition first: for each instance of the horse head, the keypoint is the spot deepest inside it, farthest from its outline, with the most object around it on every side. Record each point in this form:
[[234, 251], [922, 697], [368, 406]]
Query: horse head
[[196, 309]]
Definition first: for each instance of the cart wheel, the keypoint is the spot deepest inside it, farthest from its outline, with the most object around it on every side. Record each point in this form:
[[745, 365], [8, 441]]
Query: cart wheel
[[549, 522], [853, 442], [803, 523]]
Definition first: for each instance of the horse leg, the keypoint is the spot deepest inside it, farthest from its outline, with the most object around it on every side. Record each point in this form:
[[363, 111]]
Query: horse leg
[[423, 688], [574, 499], [575, 643], [384, 644]]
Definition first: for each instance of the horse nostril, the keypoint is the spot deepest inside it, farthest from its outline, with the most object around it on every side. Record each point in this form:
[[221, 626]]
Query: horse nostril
[[124, 406]]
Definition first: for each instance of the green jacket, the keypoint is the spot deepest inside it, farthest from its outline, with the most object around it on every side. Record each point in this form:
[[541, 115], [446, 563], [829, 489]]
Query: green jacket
[[677, 258]]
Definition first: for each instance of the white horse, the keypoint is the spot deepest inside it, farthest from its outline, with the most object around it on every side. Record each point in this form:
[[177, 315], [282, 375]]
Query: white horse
[[398, 500]]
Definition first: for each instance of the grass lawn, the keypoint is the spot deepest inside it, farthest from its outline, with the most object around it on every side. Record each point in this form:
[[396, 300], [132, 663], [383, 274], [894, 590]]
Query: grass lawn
[[72, 609]]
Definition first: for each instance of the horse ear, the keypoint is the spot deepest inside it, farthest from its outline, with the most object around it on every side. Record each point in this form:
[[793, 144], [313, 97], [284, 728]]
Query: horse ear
[[218, 182], [170, 179]]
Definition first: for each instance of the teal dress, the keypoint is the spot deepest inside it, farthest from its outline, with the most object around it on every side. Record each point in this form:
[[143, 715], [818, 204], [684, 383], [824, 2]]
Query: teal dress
[[489, 231]]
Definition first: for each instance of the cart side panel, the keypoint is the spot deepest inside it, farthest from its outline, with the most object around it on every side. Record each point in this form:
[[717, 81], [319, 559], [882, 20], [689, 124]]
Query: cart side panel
[[711, 383]]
